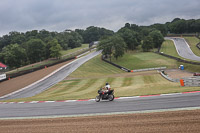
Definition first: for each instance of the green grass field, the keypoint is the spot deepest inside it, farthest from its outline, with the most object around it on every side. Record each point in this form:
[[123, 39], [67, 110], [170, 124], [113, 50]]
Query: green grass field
[[86, 80], [141, 60]]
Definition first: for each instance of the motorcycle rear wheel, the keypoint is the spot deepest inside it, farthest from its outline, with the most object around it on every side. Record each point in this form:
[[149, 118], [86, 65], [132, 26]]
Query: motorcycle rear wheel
[[97, 99]]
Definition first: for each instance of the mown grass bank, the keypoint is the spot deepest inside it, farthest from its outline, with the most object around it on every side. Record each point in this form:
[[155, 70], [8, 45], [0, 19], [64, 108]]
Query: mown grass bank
[[85, 81], [125, 85], [140, 60]]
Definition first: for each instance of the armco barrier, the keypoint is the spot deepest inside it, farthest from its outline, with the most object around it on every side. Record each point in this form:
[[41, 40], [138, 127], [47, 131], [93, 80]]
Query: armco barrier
[[168, 78], [150, 69]]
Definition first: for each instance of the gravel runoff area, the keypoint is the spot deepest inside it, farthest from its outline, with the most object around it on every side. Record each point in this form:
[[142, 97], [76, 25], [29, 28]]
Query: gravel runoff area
[[167, 122], [178, 74]]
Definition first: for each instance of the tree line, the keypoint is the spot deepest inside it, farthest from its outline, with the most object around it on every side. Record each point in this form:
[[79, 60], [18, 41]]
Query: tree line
[[131, 36], [18, 49]]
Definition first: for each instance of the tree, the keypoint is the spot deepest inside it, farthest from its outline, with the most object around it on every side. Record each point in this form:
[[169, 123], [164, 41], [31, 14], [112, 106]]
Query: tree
[[161, 27], [157, 38], [119, 46], [178, 26], [75, 40], [113, 45], [95, 33], [69, 39], [55, 49], [147, 43], [130, 37], [13, 55], [35, 50]]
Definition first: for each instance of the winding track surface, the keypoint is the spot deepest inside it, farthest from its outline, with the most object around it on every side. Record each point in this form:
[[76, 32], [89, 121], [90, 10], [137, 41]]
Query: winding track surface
[[90, 107], [51, 80], [183, 49], [63, 109]]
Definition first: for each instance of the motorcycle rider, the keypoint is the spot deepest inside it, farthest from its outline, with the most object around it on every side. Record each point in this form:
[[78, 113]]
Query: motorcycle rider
[[106, 88]]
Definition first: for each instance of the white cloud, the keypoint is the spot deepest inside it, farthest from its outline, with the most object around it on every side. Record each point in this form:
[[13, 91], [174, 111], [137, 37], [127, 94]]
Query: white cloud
[[58, 15]]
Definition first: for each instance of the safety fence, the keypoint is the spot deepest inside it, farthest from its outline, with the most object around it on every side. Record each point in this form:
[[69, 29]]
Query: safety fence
[[192, 81], [188, 81]]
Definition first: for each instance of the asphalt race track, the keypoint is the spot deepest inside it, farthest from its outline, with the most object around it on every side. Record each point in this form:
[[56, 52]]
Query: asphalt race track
[[63, 109], [51, 80], [183, 49]]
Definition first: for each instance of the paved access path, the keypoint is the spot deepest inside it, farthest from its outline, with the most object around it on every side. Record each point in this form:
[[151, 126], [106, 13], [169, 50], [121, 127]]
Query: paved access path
[[183, 48]]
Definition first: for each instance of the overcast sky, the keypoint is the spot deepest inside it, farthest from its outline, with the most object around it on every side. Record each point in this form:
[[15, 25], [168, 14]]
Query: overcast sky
[[58, 15]]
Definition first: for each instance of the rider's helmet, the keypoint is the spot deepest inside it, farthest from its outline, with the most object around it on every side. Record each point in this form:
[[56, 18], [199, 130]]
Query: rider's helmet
[[106, 83]]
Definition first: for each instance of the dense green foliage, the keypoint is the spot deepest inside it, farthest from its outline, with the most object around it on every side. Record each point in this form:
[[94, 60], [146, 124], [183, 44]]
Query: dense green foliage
[[184, 26], [94, 33], [113, 45], [131, 37], [152, 36], [18, 49], [147, 44]]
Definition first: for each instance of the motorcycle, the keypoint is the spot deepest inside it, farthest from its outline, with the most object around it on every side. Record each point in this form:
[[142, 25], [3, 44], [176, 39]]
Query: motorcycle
[[105, 95]]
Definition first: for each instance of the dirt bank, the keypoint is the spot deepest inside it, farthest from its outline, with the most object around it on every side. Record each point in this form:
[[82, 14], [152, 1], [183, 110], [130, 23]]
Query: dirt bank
[[167, 122], [17, 83]]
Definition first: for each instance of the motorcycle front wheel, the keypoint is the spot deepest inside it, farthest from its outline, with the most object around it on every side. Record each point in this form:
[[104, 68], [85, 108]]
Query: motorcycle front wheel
[[97, 99], [111, 97]]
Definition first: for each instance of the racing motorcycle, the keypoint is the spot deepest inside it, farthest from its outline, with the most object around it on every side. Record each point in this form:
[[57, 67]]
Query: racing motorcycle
[[105, 95]]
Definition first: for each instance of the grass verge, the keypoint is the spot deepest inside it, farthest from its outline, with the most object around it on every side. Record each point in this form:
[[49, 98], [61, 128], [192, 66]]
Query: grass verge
[[125, 85], [140, 60], [192, 41], [85, 81]]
